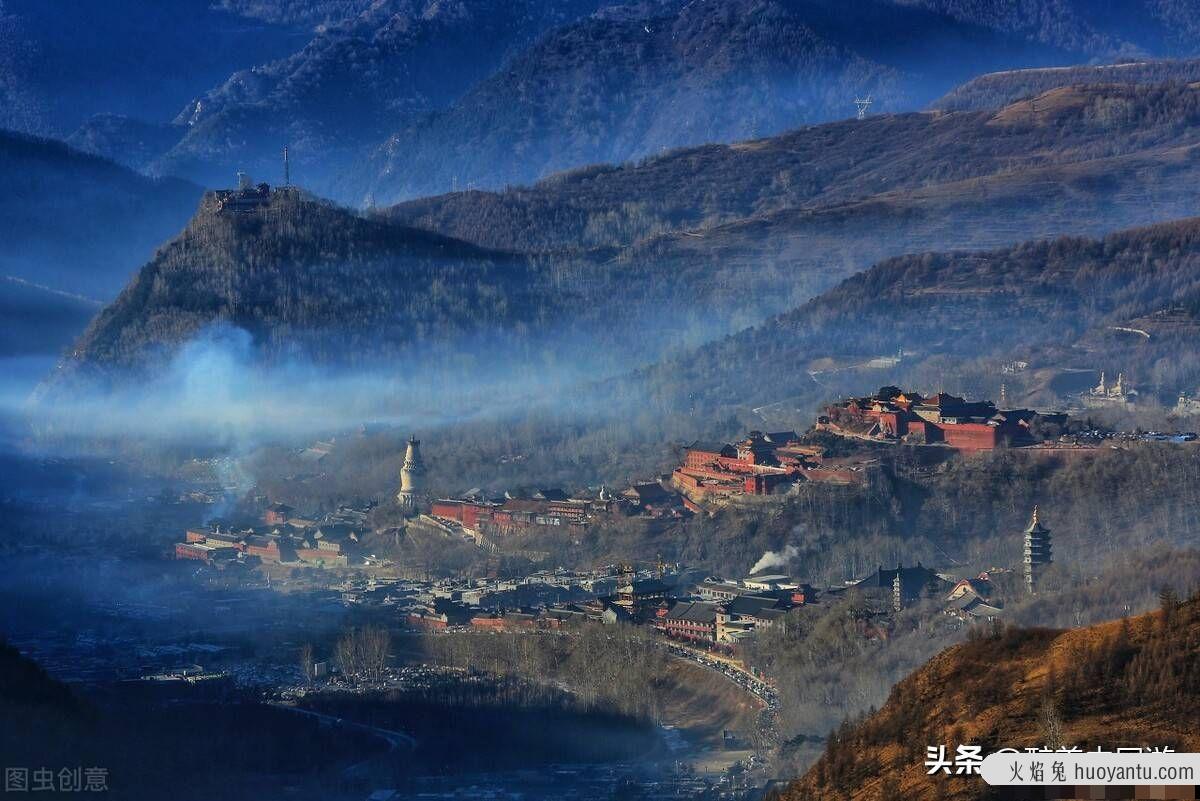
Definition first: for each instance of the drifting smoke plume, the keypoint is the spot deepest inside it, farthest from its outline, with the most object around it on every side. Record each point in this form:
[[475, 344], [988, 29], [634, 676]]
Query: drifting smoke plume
[[775, 559]]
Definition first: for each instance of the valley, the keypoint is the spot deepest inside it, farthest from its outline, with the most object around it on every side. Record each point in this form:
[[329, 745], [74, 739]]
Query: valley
[[579, 400]]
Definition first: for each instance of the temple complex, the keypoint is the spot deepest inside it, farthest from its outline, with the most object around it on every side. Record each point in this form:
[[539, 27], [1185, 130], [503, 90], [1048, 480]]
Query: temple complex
[[893, 414]]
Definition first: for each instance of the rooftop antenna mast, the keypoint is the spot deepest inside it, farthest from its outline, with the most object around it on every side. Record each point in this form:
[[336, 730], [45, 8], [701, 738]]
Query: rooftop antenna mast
[[863, 103], [287, 170]]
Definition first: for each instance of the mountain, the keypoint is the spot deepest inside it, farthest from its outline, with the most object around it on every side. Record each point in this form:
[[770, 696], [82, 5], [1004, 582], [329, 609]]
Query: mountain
[[299, 274], [1113, 29], [1133, 682], [397, 98], [355, 81], [1059, 303], [313, 284], [997, 89], [38, 714], [62, 62], [79, 223], [126, 140], [825, 169], [782, 219], [40, 321], [479, 96], [630, 83], [1093, 158], [310, 13]]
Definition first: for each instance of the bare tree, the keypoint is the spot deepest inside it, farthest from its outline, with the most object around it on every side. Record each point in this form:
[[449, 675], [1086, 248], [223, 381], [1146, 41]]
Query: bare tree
[[347, 655], [374, 643], [364, 652], [307, 663], [1050, 724]]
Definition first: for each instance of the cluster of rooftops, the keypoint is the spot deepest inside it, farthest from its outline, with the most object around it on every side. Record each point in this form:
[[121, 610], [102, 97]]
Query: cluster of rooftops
[[894, 413]]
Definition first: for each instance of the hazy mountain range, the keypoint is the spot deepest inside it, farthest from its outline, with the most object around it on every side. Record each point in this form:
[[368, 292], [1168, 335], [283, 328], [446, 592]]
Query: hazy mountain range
[[1074, 303], [751, 230], [80, 223], [390, 100]]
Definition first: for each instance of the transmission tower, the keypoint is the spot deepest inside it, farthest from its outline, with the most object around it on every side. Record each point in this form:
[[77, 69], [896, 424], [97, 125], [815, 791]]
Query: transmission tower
[[863, 103], [287, 168]]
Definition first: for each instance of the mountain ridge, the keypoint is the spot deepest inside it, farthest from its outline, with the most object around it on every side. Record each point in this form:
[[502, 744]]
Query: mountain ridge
[[79, 222], [810, 168], [1048, 302], [1131, 682]]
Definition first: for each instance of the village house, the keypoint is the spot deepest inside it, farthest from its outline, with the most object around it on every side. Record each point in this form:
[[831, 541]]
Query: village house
[[204, 552], [441, 613], [972, 607], [716, 589], [277, 514], [756, 611], [979, 587], [293, 541], [328, 545], [973, 599]]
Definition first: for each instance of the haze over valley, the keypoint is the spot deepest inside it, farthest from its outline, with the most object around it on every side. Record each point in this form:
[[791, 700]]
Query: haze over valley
[[588, 399]]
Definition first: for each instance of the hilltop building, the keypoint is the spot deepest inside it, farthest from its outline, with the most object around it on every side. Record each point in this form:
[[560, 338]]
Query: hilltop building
[[893, 414], [412, 478], [1038, 551], [249, 196]]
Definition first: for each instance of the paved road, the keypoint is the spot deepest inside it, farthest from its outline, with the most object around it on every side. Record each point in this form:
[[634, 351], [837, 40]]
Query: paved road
[[395, 739], [744, 679]]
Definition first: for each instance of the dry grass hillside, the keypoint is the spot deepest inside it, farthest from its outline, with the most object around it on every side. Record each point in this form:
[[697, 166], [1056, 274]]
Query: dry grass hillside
[[1134, 682]]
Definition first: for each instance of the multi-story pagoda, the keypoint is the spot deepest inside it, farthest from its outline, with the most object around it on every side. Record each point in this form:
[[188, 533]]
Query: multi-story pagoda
[[1038, 551]]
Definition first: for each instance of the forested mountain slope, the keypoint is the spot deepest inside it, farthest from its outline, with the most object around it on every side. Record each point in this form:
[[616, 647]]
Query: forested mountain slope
[[451, 94], [64, 61], [1112, 29], [457, 93], [1132, 683], [305, 276], [350, 86], [795, 213], [957, 316], [627, 84], [997, 89], [37, 713], [312, 282], [817, 169], [736, 273], [39, 321]]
